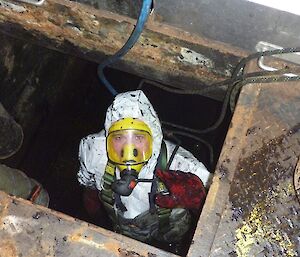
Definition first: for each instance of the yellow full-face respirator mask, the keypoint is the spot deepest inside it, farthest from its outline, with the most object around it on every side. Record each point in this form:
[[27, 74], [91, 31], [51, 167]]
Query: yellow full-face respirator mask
[[129, 147]]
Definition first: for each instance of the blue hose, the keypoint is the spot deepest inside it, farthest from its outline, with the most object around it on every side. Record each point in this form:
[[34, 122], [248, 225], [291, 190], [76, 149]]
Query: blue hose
[[144, 13]]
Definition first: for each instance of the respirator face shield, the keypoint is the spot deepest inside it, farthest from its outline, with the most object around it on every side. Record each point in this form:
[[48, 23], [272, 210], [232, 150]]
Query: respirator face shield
[[129, 144]]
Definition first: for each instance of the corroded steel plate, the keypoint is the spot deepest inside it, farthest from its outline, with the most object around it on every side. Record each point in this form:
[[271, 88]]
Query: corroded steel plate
[[252, 208]]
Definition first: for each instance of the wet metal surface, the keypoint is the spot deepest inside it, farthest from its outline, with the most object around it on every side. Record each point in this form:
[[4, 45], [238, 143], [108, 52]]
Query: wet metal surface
[[27, 230], [252, 207], [163, 53]]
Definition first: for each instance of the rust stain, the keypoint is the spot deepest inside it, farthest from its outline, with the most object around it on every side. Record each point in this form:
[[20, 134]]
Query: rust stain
[[80, 236], [4, 204], [112, 246], [7, 249]]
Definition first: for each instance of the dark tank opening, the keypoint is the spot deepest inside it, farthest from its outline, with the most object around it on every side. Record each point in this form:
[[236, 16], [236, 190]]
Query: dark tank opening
[[59, 99]]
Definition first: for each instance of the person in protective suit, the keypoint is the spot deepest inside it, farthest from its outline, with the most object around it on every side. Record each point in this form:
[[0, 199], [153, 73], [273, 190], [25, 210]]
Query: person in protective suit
[[147, 193]]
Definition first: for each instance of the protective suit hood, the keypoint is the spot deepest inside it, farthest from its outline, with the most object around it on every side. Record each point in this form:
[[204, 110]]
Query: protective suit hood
[[135, 104]]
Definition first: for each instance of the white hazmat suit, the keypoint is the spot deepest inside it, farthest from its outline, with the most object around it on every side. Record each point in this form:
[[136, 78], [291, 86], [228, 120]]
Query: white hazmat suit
[[93, 154]]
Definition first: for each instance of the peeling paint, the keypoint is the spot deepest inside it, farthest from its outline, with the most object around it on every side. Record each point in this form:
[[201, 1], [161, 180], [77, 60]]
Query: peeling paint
[[87, 241], [7, 249], [81, 236], [192, 57]]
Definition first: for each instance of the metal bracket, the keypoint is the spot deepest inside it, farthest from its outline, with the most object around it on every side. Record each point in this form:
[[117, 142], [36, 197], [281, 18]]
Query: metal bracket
[[290, 57]]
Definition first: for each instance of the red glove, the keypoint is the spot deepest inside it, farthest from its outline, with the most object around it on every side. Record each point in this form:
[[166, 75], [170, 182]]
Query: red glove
[[185, 190]]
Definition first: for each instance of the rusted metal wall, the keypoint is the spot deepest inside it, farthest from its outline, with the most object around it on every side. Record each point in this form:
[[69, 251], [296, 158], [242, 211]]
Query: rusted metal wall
[[33, 231], [163, 53], [252, 208]]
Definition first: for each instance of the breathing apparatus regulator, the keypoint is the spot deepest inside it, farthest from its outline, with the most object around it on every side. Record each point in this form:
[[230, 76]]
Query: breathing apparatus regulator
[[129, 147]]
